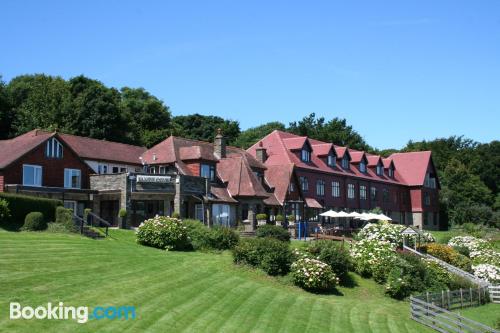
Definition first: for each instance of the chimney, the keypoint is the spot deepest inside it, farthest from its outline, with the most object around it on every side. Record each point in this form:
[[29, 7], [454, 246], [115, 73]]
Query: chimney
[[261, 153], [220, 145]]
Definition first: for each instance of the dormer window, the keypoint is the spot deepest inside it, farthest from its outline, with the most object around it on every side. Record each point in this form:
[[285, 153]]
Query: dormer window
[[207, 171], [362, 166], [305, 155], [345, 162], [380, 169], [391, 171], [330, 160], [53, 148]]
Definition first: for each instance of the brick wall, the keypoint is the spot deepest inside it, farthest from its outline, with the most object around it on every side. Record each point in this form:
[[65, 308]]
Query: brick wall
[[52, 169], [1, 182]]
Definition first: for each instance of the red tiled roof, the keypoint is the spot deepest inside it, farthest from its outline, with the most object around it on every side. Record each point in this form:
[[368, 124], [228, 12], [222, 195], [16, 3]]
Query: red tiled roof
[[322, 149], [94, 149], [241, 180], [294, 143], [411, 167], [11, 150], [221, 195], [278, 176], [340, 151], [387, 162], [356, 156], [373, 159]]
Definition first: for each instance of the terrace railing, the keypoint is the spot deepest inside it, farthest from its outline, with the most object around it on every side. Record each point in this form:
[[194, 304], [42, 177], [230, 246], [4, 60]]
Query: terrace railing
[[97, 221]]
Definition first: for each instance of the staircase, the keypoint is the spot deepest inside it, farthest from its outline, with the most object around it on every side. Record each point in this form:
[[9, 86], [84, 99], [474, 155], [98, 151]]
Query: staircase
[[450, 268], [89, 232], [247, 234], [86, 226]]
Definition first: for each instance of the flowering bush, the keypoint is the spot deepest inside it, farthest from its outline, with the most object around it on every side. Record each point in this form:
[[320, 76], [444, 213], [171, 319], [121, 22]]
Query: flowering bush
[[449, 255], [333, 254], [371, 257], [487, 272], [480, 251], [398, 284], [164, 233], [384, 231], [312, 274]]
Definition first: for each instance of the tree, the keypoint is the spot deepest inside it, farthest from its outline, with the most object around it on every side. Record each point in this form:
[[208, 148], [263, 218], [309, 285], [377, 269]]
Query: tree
[[335, 131], [487, 164], [250, 136], [204, 128], [96, 111], [462, 189], [5, 112], [38, 101], [151, 119]]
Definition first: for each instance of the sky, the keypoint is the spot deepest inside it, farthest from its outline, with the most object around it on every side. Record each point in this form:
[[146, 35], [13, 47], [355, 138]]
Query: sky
[[396, 70]]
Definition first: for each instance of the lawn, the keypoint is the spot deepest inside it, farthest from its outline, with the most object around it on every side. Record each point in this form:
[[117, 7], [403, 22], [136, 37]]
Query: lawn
[[175, 291], [487, 314]]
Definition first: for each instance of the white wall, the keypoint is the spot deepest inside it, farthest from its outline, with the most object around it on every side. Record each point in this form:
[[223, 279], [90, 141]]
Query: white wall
[[94, 165]]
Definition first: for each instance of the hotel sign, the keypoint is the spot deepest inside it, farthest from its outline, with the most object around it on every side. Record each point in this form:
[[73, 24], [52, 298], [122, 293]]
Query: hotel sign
[[153, 179]]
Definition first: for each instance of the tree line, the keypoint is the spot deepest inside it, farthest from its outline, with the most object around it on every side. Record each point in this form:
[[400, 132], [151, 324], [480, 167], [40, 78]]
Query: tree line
[[469, 171]]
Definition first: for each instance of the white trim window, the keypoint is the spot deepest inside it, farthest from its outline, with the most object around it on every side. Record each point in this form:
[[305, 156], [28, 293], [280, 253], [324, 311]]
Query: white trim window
[[335, 189], [320, 188], [362, 166], [391, 172], [380, 169], [345, 162], [331, 160], [72, 178], [304, 184], [207, 171], [53, 148], [102, 168], [362, 192], [350, 191], [305, 155], [32, 175]]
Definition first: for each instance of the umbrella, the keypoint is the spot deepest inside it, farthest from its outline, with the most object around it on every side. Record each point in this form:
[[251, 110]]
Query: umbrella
[[343, 214], [369, 216], [355, 215], [330, 213]]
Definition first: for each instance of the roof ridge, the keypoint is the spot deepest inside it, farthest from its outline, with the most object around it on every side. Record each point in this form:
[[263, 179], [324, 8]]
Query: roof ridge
[[99, 140]]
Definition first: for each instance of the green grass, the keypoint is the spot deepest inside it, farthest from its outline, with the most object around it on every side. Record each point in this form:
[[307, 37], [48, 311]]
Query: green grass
[[175, 291], [486, 314]]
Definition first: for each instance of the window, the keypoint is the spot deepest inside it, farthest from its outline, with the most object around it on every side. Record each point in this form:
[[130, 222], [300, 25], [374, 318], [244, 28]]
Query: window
[[385, 195], [373, 191], [331, 160], [362, 192], [320, 188], [152, 170], [430, 180], [124, 169], [32, 175], [220, 215], [102, 168], [207, 171], [163, 170], [380, 169], [362, 166], [345, 162], [350, 191], [305, 155], [198, 212], [292, 187], [115, 169], [391, 172], [259, 175], [304, 184], [335, 189], [53, 149], [427, 199], [72, 178]]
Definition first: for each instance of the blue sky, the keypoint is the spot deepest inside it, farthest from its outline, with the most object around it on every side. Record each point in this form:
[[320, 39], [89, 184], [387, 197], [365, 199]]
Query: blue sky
[[396, 70]]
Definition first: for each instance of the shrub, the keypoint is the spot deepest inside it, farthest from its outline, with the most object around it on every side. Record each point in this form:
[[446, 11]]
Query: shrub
[[204, 238], [372, 257], [291, 218], [280, 218], [56, 228], [385, 231], [449, 255], [164, 233], [21, 205], [398, 284], [273, 231], [271, 255], [223, 238], [4, 211], [34, 221], [314, 275], [261, 216], [176, 215], [122, 213], [64, 217], [337, 257], [487, 272]]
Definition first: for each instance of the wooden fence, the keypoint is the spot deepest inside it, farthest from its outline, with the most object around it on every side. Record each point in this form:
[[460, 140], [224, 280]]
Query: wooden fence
[[494, 293], [457, 299], [443, 320]]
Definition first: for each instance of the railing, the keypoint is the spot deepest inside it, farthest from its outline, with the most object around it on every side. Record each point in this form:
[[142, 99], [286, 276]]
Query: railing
[[443, 320], [450, 268], [93, 217], [494, 293], [456, 299], [79, 222]]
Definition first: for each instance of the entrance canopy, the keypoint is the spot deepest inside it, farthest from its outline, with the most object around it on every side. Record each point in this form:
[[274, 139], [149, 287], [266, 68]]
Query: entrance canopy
[[312, 203]]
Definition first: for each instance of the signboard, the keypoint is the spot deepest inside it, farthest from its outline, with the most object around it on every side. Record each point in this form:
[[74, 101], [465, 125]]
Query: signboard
[[153, 179]]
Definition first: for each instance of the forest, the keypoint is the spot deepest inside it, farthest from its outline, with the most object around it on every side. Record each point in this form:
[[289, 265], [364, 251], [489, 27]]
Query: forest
[[468, 171]]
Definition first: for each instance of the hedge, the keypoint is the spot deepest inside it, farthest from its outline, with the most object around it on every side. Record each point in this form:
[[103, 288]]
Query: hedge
[[22, 205]]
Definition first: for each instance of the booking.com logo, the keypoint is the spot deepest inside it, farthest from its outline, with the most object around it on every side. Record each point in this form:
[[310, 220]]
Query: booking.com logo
[[81, 314]]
